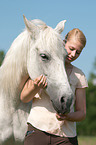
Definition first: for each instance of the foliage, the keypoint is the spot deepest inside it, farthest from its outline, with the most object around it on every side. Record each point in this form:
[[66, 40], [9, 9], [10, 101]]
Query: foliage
[[88, 126], [82, 140], [2, 54]]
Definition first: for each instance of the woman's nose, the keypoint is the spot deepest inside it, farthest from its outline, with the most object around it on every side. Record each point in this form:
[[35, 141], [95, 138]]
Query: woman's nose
[[73, 53]]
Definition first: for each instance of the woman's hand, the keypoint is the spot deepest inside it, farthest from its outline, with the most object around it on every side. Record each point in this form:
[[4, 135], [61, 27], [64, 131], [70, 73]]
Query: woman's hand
[[80, 108], [62, 117], [40, 82], [32, 87]]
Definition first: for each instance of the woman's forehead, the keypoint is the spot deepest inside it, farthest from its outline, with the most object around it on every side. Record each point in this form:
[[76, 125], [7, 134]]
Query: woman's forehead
[[75, 44]]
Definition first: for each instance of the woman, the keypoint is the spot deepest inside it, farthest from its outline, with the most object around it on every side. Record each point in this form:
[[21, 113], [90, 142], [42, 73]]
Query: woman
[[45, 126]]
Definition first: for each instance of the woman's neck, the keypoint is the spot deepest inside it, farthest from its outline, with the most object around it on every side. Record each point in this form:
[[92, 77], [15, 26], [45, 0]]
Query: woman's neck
[[68, 64]]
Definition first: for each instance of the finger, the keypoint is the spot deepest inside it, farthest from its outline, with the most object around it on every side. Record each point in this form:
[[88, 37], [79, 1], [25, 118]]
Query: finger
[[60, 118], [42, 81], [38, 79], [57, 116], [45, 85]]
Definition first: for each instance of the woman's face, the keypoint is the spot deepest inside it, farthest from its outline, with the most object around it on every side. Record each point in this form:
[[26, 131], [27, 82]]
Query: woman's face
[[74, 49]]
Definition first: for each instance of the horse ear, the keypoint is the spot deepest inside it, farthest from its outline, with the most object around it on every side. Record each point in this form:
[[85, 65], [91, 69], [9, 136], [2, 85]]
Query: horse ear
[[32, 28], [60, 26]]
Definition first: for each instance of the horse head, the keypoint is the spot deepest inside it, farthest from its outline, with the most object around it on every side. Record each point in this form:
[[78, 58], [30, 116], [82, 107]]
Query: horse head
[[47, 56]]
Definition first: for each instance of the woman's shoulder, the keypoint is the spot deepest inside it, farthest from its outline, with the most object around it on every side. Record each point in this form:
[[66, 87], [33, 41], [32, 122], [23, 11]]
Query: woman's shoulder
[[78, 77], [77, 71]]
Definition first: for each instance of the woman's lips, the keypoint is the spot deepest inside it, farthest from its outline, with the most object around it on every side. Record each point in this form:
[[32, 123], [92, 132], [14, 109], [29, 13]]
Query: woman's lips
[[69, 58]]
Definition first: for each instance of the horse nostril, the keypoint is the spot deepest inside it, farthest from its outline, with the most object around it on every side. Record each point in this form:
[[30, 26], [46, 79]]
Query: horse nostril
[[62, 99]]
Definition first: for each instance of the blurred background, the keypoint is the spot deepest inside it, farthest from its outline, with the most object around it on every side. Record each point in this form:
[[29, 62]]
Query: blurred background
[[79, 14]]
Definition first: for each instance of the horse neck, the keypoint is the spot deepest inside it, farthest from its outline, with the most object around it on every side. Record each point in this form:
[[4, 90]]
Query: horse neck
[[14, 67]]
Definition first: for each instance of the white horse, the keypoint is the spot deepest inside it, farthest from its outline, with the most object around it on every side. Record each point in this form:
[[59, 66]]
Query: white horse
[[38, 50]]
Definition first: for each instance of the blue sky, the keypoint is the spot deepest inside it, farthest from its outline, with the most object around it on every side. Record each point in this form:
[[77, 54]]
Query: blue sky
[[79, 14]]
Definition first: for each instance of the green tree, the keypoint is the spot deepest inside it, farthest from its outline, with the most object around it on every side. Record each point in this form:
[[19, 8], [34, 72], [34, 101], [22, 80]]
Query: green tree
[[88, 126], [92, 77], [2, 54]]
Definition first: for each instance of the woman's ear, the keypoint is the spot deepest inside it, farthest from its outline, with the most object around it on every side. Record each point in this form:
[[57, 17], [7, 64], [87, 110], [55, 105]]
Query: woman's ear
[[64, 41]]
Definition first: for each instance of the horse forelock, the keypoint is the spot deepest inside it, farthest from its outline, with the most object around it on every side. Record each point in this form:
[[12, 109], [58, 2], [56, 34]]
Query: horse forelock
[[46, 32], [50, 40], [39, 23]]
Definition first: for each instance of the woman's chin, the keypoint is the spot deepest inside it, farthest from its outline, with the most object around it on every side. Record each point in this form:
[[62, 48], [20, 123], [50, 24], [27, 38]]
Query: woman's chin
[[67, 61]]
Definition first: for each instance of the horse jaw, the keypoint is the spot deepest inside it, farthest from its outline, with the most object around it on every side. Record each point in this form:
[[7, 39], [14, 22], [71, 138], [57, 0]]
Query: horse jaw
[[63, 98]]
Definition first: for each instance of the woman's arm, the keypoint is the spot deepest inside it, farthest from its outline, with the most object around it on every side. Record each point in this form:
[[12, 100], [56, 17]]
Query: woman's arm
[[80, 108], [31, 88]]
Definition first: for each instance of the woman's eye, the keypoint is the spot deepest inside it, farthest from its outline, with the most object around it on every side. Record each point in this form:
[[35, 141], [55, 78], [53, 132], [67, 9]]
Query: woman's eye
[[44, 57], [71, 49], [78, 52]]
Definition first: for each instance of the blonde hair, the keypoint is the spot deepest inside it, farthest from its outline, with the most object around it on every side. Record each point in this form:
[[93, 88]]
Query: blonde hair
[[77, 35]]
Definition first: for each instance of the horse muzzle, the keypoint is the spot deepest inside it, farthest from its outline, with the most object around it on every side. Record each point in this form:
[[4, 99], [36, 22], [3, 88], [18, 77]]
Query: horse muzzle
[[62, 107]]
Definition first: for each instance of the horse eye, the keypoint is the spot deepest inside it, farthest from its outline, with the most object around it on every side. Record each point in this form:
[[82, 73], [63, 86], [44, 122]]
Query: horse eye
[[44, 56]]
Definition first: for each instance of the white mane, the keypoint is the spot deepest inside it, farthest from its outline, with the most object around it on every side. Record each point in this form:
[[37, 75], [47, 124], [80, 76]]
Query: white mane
[[15, 61]]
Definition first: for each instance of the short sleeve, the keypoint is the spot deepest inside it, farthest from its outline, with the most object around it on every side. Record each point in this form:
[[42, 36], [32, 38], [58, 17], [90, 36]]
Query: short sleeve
[[77, 79], [82, 82]]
